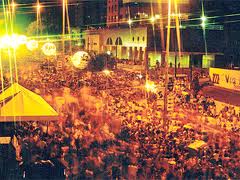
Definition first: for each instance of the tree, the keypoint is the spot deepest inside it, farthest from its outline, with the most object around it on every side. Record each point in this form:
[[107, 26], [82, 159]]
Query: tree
[[34, 28], [100, 62]]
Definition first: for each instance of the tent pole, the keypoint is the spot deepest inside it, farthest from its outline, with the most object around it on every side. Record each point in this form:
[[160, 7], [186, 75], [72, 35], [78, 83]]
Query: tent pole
[[47, 126]]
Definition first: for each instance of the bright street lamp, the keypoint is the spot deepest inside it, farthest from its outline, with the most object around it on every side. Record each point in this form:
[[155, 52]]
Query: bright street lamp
[[106, 72], [13, 4], [150, 86], [204, 20], [109, 53], [38, 7], [130, 22], [152, 19]]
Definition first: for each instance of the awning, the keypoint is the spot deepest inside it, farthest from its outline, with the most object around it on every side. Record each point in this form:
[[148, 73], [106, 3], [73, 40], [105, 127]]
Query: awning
[[20, 104]]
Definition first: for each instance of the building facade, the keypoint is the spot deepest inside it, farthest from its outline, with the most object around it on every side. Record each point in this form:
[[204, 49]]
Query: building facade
[[141, 44], [113, 12], [120, 12], [137, 24], [122, 43]]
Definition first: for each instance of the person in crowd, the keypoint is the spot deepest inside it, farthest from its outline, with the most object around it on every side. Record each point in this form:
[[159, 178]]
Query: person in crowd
[[84, 144]]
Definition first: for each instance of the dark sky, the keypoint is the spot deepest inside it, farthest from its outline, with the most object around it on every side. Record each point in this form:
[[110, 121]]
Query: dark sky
[[26, 13]]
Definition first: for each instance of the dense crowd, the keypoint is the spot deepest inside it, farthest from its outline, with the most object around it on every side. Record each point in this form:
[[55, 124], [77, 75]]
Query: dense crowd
[[109, 127], [227, 117]]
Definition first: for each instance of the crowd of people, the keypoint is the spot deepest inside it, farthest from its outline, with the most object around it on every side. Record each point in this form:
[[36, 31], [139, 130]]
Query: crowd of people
[[226, 117], [109, 127]]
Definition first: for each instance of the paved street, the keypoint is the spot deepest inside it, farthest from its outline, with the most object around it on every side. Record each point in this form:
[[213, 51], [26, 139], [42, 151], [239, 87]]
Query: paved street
[[131, 68], [223, 95]]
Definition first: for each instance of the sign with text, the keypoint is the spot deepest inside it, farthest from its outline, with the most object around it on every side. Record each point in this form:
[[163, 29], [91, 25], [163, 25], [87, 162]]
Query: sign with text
[[225, 78]]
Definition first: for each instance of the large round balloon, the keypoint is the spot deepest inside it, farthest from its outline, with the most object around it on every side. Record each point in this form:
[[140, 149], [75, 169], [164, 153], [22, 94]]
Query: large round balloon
[[80, 59], [49, 49], [22, 39], [32, 45], [9, 41]]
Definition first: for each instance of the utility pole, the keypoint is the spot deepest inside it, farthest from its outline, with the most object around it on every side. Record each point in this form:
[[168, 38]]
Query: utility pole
[[63, 26], [165, 118]]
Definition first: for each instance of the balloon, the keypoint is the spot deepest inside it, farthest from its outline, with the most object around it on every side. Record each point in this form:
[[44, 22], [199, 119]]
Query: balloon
[[22, 39], [49, 49], [80, 59], [32, 45]]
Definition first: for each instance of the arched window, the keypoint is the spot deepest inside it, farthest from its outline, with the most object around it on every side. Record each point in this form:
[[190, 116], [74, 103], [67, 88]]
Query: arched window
[[109, 41], [118, 41]]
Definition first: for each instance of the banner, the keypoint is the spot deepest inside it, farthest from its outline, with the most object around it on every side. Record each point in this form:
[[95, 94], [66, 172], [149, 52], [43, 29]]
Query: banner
[[225, 78], [221, 105]]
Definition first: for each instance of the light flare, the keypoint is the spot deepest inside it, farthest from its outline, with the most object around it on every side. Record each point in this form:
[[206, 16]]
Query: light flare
[[150, 87], [32, 45]]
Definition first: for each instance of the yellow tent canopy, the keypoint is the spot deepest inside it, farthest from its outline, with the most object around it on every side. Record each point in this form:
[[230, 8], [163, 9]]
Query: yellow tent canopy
[[20, 104]]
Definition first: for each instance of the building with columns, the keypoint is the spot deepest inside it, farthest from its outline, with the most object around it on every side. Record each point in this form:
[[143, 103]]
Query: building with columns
[[144, 39], [140, 44], [123, 43]]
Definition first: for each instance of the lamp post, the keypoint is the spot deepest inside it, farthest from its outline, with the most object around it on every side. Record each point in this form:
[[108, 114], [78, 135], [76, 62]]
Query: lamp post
[[165, 118], [63, 26], [204, 20], [38, 7], [130, 21]]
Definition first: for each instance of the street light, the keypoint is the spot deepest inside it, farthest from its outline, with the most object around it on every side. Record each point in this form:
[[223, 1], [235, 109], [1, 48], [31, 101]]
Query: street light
[[13, 5], [204, 20], [130, 22], [150, 87], [106, 72], [38, 7], [152, 19], [109, 53]]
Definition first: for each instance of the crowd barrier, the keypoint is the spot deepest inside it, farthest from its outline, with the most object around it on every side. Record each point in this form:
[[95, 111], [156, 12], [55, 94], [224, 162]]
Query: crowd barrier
[[225, 78]]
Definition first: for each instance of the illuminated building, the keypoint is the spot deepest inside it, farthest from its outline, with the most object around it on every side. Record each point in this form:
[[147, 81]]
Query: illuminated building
[[120, 11], [139, 44], [113, 12], [214, 44]]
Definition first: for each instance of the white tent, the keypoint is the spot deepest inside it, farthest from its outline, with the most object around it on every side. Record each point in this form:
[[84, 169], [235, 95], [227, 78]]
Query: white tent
[[20, 104]]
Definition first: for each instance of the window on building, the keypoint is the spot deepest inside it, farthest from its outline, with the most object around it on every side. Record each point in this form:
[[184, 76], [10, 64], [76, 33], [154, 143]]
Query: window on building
[[138, 38], [109, 41], [143, 38], [118, 41], [133, 39]]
